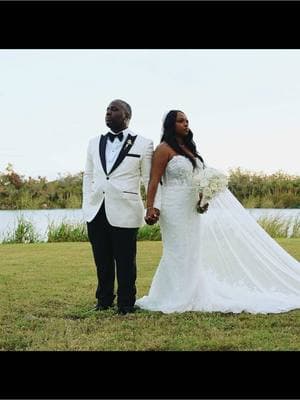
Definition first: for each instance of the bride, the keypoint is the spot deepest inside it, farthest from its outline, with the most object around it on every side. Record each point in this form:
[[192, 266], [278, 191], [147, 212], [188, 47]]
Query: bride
[[217, 260]]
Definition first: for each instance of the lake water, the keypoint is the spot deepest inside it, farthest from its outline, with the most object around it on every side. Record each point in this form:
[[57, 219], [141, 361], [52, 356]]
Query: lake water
[[41, 219]]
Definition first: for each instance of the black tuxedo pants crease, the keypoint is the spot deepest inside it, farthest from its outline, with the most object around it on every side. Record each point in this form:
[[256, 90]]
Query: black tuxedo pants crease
[[114, 248]]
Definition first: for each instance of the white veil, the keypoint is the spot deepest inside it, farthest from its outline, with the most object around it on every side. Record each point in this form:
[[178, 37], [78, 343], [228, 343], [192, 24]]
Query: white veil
[[247, 262]]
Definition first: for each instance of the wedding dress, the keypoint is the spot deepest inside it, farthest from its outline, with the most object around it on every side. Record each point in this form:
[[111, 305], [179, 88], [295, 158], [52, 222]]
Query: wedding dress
[[218, 261]]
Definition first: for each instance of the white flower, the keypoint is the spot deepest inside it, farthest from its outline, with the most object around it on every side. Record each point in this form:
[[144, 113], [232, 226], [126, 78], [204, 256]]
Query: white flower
[[128, 143], [210, 182]]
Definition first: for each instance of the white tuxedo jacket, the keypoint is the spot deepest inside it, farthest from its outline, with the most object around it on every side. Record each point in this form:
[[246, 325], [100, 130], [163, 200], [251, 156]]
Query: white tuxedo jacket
[[120, 187]]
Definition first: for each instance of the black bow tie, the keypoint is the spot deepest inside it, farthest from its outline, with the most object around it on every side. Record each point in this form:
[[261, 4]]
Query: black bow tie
[[112, 137]]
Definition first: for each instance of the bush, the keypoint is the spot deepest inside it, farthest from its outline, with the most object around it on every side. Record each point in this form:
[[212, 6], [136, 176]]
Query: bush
[[276, 227], [149, 232], [24, 233], [67, 232], [296, 228]]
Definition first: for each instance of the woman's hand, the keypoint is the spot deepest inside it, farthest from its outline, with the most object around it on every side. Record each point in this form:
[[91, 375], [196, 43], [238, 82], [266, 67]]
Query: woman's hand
[[201, 209], [152, 215]]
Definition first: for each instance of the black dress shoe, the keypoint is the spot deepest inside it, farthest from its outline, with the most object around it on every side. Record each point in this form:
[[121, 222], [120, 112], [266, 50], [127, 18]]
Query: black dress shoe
[[125, 310], [101, 307]]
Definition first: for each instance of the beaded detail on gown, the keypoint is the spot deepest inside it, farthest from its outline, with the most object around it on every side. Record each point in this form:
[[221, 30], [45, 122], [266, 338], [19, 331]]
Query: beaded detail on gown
[[218, 261]]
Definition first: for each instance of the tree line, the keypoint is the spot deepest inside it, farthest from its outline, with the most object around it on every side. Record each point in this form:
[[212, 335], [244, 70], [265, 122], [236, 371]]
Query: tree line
[[252, 189]]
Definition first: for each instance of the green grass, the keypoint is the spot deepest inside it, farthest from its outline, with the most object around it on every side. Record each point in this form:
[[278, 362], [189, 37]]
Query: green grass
[[47, 290]]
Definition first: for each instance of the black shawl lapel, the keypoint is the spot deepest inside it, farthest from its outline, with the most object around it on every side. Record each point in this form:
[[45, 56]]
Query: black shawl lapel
[[125, 149], [102, 147]]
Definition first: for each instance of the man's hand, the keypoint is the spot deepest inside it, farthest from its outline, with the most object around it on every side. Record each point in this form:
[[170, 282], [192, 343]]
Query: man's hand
[[152, 215]]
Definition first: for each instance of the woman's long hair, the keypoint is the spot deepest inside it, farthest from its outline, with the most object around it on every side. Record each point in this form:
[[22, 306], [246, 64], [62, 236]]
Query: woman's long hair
[[169, 136]]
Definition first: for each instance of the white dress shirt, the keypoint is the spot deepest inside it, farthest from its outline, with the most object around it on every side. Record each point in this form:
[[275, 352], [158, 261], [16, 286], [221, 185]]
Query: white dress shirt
[[113, 149]]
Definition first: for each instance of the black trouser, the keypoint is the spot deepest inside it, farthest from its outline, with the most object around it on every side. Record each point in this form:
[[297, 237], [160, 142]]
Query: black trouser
[[113, 246]]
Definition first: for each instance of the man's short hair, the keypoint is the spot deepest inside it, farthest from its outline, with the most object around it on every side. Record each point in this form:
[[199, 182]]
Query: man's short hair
[[126, 107]]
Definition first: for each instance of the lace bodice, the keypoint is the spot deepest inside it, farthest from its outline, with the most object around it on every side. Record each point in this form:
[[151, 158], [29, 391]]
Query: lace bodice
[[180, 172]]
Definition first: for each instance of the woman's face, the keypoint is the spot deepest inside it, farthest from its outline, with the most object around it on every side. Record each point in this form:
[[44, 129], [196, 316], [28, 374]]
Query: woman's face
[[182, 124]]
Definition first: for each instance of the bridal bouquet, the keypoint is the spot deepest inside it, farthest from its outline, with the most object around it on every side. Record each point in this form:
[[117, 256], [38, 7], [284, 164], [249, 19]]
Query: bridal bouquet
[[209, 182]]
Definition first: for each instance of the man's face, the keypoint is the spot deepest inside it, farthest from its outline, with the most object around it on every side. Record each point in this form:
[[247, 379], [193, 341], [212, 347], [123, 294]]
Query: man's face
[[115, 117]]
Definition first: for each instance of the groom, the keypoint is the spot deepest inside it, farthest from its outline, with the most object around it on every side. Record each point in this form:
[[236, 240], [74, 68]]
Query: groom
[[112, 205]]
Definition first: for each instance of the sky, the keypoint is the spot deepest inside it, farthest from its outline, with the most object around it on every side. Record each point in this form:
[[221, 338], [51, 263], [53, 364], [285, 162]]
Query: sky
[[243, 105]]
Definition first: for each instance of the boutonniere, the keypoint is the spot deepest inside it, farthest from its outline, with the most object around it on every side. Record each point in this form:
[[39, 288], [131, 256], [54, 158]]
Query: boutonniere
[[128, 143]]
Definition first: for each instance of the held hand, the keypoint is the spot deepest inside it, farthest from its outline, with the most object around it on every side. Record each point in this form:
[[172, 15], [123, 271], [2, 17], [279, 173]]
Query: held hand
[[157, 212], [152, 215]]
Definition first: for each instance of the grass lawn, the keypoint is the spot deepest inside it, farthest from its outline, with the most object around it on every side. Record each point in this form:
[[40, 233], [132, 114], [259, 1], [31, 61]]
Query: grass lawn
[[48, 288]]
